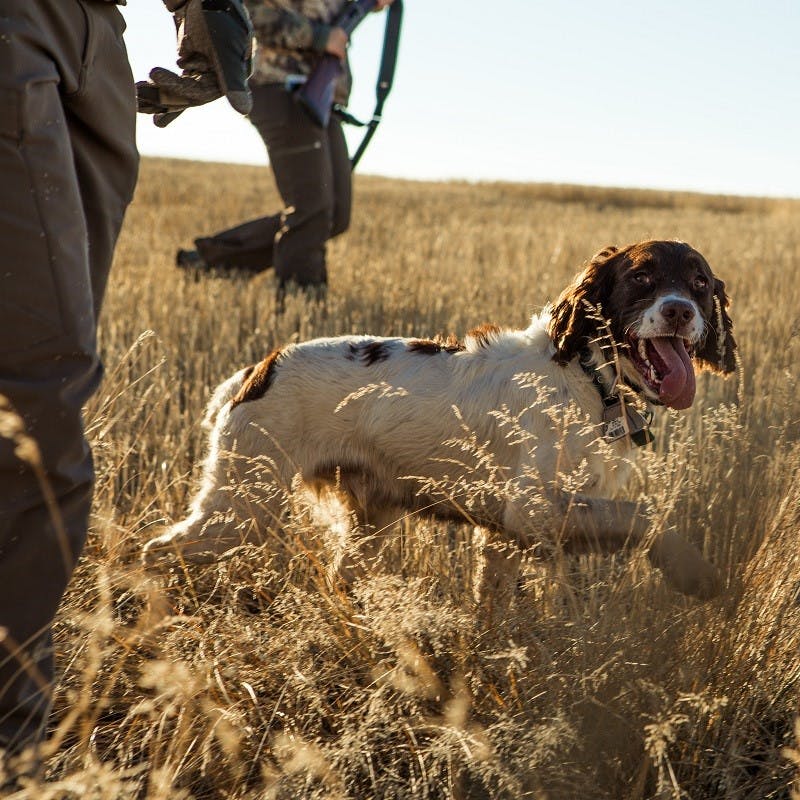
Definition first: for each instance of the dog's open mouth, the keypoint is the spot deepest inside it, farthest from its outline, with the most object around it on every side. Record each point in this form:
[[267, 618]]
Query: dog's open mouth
[[665, 364]]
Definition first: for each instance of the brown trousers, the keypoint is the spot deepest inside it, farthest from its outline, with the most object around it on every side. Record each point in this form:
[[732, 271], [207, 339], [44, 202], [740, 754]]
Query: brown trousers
[[68, 167], [312, 171]]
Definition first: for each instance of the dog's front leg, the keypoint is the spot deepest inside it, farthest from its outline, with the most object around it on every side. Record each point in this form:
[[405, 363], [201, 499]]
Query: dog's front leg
[[600, 525], [597, 525], [497, 574], [371, 525]]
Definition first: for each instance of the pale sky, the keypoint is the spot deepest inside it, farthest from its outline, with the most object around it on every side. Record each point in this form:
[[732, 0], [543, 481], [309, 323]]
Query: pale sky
[[691, 94]]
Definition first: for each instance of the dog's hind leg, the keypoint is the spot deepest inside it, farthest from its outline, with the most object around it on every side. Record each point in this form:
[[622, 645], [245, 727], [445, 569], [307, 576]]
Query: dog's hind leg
[[243, 492], [220, 520]]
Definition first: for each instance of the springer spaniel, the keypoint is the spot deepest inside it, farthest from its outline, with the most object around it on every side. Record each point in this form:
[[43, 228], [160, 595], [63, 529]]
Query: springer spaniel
[[556, 411]]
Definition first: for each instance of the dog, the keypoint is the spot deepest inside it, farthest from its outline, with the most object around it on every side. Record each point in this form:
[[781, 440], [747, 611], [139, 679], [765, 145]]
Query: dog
[[377, 421]]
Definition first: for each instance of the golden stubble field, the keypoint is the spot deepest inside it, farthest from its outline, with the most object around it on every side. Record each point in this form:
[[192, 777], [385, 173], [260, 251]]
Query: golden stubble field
[[255, 678]]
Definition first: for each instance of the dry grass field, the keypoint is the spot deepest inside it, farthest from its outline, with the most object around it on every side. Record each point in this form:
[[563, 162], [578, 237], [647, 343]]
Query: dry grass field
[[257, 678]]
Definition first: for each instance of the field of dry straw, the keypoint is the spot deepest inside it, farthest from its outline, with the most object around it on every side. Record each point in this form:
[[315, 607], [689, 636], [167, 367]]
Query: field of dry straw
[[254, 678]]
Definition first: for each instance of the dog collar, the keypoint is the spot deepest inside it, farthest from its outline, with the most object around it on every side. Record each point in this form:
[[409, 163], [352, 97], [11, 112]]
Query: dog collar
[[620, 419]]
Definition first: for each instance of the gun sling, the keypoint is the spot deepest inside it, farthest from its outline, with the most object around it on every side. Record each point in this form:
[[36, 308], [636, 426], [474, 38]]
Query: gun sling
[[391, 42]]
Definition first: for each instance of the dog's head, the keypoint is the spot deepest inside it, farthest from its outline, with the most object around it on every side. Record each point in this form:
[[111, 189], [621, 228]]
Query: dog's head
[[665, 310]]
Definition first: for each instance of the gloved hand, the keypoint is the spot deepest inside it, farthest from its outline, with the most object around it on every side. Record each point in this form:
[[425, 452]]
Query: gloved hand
[[215, 47]]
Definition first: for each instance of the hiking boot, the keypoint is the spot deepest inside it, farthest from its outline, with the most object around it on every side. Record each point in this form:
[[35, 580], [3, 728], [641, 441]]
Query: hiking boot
[[194, 263], [190, 259]]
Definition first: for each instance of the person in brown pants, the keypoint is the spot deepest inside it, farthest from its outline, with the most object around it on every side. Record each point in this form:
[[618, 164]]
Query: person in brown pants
[[69, 164], [312, 172], [310, 164]]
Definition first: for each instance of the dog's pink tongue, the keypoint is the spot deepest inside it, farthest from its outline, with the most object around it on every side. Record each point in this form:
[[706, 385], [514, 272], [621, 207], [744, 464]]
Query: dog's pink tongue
[[678, 384]]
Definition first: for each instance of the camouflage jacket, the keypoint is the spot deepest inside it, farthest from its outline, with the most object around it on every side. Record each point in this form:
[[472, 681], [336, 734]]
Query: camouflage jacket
[[291, 37]]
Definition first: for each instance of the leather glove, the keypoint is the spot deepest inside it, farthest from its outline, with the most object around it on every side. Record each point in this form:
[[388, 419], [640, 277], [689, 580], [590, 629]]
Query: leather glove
[[215, 48]]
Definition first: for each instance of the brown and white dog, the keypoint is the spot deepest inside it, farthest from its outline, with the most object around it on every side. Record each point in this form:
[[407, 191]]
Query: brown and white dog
[[375, 419]]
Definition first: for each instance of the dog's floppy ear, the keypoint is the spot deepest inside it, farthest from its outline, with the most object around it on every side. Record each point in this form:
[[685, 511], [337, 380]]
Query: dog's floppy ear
[[718, 351], [573, 316]]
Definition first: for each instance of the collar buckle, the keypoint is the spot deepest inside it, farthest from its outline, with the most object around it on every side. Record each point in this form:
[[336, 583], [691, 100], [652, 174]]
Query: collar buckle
[[620, 418]]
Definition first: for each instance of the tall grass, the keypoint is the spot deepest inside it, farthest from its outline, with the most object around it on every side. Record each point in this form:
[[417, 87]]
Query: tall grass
[[258, 677]]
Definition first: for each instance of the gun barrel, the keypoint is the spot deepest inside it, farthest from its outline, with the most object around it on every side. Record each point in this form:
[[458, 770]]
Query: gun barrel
[[353, 13]]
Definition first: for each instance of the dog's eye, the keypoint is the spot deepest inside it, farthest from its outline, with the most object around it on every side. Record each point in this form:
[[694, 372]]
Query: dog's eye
[[700, 283], [642, 278]]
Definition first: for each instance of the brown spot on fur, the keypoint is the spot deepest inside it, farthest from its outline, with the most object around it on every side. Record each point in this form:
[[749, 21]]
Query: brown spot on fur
[[431, 347], [257, 380], [372, 352], [450, 343], [426, 346], [484, 334]]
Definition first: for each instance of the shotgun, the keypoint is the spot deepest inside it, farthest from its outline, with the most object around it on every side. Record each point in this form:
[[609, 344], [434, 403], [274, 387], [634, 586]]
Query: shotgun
[[316, 94]]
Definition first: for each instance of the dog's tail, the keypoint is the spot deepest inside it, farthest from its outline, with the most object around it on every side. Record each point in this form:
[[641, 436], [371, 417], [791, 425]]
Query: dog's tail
[[223, 394]]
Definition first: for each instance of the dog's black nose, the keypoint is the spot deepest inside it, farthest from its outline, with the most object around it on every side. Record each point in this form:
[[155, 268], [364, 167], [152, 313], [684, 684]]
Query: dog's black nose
[[677, 310]]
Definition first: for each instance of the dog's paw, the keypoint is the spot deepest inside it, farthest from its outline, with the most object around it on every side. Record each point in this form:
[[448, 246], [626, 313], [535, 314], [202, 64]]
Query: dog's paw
[[701, 580], [684, 567], [176, 545]]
